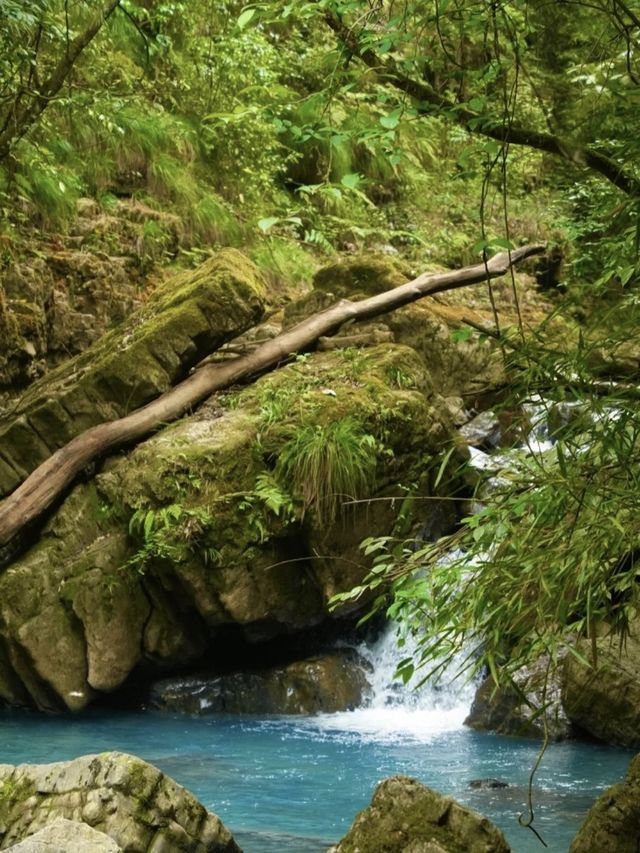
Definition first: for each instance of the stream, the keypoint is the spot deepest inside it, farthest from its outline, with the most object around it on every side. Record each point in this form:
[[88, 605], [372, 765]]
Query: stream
[[296, 783]]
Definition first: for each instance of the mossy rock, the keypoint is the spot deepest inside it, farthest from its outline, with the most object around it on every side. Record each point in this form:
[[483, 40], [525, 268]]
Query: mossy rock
[[406, 815], [189, 316], [604, 699], [175, 541], [613, 822], [119, 795]]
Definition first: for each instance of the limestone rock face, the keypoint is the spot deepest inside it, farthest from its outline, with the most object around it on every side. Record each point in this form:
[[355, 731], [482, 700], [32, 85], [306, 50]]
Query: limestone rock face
[[324, 683], [132, 802], [64, 835], [510, 712], [605, 700], [613, 822], [186, 318], [405, 815]]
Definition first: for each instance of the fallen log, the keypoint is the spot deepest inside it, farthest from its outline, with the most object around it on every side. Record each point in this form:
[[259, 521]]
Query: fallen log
[[47, 482]]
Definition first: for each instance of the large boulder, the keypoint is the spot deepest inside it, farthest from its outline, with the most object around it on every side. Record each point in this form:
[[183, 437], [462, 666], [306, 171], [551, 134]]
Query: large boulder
[[324, 683], [405, 815], [186, 318], [604, 699], [198, 530], [613, 822], [518, 710], [119, 795], [64, 835]]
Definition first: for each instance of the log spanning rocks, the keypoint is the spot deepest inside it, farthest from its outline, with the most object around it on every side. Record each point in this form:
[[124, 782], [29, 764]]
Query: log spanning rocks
[[405, 815], [130, 803]]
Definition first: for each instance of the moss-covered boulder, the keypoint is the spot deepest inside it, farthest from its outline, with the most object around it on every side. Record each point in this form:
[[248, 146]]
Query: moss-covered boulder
[[119, 795], [443, 329], [186, 318], [405, 815], [218, 523], [521, 710], [604, 699], [613, 822], [326, 683]]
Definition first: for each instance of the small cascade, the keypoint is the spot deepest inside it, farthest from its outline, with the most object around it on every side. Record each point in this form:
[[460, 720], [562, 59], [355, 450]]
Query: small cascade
[[440, 705], [395, 711]]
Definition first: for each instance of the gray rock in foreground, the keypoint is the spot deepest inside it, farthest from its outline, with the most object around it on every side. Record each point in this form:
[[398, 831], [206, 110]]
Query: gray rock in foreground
[[613, 822], [63, 835], [407, 817], [132, 802]]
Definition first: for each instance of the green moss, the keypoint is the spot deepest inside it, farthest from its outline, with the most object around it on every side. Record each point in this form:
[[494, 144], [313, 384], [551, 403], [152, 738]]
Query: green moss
[[188, 317], [364, 274]]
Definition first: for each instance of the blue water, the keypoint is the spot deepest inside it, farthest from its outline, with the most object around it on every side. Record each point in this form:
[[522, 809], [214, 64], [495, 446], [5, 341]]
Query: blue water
[[295, 784]]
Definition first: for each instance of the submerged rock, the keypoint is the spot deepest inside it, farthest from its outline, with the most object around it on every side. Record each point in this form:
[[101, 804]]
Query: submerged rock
[[405, 815], [119, 795], [518, 710], [325, 683], [604, 699], [484, 784], [613, 822], [64, 835]]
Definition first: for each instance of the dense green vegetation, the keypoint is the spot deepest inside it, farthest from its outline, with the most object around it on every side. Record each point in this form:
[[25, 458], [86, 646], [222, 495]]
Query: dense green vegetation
[[443, 129]]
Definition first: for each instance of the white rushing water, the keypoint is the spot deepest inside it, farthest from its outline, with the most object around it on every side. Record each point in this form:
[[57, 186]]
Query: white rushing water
[[396, 711]]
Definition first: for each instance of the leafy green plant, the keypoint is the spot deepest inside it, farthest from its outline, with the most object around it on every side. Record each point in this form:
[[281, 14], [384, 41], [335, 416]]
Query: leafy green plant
[[170, 533], [325, 464]]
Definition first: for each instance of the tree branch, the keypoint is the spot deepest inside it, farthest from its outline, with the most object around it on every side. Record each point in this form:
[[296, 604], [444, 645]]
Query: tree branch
[[426, 98], [22, 117], [44, 485]]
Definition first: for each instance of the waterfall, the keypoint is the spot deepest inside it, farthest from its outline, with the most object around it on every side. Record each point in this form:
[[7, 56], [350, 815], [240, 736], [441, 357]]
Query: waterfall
[[395, 711]]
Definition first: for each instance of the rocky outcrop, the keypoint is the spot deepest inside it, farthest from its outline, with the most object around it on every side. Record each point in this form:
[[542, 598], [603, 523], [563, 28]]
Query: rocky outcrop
[[604, 699], [517, 710], [59, 293], [185, 319], [613, 822], [64, 835], [405, 815], [325, 683], [119, 795], [201, 528]]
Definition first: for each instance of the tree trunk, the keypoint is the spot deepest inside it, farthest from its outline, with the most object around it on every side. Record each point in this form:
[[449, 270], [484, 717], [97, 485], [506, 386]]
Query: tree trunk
[[44, 485]]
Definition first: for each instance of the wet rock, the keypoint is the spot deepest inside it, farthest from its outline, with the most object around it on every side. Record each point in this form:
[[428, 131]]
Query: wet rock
[[483, 431], [63, 835], [568, 416], [484, 784], [405, 815], [613, 822], [517, 710], [604, 700], [119, 795], [322, 684]]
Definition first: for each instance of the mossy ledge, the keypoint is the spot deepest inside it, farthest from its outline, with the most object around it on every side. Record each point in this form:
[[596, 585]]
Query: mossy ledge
[[187, 317]]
